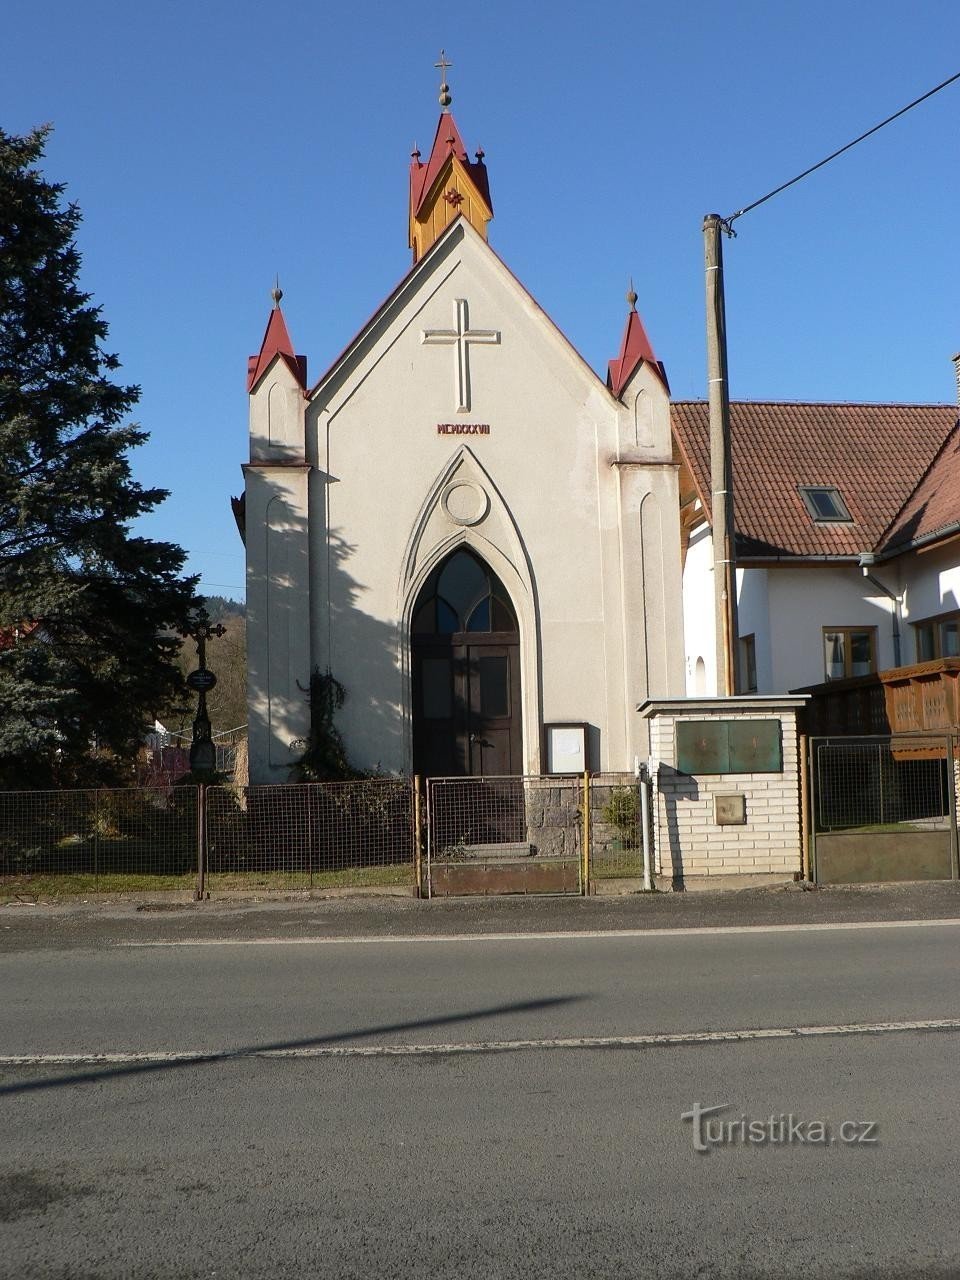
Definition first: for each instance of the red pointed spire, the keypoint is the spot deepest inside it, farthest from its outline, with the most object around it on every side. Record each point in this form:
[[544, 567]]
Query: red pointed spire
[[276, 342], [634, 350]]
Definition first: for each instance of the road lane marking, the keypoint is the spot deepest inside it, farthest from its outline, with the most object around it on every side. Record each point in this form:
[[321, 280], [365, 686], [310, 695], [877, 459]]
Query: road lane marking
[[733, 930], [652, 1040]]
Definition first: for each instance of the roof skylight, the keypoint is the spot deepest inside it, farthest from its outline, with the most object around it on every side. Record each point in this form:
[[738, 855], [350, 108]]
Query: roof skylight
[[825, 504]]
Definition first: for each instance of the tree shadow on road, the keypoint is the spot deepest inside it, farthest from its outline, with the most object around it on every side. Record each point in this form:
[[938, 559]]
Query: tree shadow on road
[[177, 1062]]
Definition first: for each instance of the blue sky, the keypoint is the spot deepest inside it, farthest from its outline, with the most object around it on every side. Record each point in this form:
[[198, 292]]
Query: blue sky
[[211, 145]]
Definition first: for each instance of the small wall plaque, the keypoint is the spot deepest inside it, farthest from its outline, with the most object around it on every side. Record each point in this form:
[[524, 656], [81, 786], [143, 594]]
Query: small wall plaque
[[730, 810]]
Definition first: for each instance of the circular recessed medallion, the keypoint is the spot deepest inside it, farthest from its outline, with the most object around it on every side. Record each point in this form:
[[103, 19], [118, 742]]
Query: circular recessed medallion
[[465, 502]]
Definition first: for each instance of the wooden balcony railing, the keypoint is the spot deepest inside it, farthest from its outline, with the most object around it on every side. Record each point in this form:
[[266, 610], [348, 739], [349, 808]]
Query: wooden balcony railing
[[900, 700]]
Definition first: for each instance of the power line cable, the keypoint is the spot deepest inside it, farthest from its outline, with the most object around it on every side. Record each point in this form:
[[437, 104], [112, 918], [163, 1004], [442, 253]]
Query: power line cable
[[727, 223]]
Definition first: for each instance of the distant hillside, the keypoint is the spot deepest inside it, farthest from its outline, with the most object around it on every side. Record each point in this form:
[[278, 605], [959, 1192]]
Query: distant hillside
[[220, 607]]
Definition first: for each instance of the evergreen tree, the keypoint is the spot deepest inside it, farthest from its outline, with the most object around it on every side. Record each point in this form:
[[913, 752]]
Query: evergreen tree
[[87, 651]]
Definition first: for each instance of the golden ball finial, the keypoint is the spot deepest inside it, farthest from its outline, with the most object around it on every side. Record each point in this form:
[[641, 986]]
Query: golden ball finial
[[632, 296], [276, 293]]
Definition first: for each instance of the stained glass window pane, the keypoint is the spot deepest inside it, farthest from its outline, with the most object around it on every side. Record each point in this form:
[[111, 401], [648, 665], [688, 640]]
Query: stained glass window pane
[[447, 620], [480, 618], [462, 582], [463, 595], [503, 616], [424, 623]]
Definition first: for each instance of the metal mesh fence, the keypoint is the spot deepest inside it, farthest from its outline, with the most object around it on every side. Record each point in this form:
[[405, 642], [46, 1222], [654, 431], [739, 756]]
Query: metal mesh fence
[[310, 835], [98, 840], [616, 842], [882, 783], [499, 822], [318, 835]]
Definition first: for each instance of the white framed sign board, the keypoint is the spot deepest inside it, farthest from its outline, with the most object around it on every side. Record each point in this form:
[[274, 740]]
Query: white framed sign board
[[566, 747]]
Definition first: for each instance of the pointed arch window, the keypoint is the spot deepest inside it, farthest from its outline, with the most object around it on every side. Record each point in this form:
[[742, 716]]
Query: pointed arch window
[[463, 594]]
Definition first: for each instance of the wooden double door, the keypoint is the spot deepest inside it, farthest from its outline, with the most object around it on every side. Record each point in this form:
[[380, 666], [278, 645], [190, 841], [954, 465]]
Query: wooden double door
[[467, 706], [466, 674]]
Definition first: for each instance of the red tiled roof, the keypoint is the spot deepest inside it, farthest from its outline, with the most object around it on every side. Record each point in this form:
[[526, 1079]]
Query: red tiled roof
[[447, 141], [875, 454], [934, 506], [634, 349], [276, 342]]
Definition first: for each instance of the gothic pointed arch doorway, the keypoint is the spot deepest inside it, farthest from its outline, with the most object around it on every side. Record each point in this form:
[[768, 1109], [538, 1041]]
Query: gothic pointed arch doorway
[[465, 646]]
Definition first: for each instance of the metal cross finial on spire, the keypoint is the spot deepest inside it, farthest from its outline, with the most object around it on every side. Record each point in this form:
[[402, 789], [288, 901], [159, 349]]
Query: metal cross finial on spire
[[442, 66], [276, 293]]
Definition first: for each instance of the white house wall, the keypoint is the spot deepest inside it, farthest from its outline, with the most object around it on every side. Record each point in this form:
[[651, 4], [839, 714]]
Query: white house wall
[[698, 615], [787, 608], [804, 601], [932, 580], [753, 618]]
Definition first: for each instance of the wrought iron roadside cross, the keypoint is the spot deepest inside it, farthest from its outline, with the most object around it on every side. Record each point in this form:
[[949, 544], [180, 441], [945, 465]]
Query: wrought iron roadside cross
[[203, 756], [461, 337]]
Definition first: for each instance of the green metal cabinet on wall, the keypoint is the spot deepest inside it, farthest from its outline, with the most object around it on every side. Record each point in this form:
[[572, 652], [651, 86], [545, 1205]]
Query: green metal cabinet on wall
[[729, 746]]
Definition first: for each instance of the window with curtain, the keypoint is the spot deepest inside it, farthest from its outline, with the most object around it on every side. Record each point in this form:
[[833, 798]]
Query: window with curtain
[[849, 651]]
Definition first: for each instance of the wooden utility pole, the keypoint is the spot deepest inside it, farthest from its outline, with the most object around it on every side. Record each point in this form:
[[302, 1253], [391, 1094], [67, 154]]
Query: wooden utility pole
[[721, 474]]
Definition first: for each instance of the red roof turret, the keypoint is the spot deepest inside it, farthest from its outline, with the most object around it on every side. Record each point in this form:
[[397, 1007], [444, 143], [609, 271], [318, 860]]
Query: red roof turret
[[634, 350], [276, 342]]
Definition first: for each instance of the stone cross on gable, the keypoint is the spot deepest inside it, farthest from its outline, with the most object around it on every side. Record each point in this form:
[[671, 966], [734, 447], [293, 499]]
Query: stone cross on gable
[[461, 337]]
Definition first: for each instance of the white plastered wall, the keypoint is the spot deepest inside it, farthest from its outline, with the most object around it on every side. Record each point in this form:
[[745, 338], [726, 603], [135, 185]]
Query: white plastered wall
[[278, 577], [563, 523], [648, 521]]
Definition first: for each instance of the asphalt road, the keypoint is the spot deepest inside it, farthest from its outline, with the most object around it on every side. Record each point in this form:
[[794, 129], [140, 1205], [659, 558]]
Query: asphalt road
[[94, 924], [358, 1106]]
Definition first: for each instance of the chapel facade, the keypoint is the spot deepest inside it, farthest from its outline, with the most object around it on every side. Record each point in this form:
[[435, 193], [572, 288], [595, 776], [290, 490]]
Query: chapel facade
[[476, 535]]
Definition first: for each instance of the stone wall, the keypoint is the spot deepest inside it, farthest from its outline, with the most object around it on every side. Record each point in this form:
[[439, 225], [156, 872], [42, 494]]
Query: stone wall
[[688, 839], [553, 816]]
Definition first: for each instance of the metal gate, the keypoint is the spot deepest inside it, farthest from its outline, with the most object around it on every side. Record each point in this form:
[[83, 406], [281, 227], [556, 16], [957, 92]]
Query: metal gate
[[504, 835], [883, 808]]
